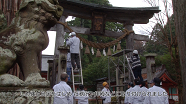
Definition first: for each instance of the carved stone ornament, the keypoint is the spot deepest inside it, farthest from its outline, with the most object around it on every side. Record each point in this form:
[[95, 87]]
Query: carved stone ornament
[[27, 36]]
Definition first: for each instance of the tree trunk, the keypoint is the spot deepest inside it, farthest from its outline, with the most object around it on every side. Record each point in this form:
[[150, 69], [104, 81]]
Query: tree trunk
[[179, 8], [179, 80]]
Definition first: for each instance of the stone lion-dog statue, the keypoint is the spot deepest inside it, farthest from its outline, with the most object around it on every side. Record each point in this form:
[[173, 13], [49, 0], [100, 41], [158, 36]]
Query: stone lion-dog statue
[[25, 38]]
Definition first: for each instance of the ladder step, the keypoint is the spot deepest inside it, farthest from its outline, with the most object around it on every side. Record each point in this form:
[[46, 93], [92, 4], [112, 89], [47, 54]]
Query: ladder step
[[76, 71], [77, 75], [77, 83]]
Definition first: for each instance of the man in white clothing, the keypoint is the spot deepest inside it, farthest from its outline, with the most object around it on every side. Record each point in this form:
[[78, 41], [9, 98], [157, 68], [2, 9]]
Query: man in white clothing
[[74, 44], [82, 96], [144, 90], [127, 93], [106, 94], [63, 92], [136, 92], [156, 94]]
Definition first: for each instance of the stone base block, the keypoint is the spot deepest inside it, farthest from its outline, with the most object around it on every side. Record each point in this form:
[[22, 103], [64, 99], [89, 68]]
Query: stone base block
[[26, 95]]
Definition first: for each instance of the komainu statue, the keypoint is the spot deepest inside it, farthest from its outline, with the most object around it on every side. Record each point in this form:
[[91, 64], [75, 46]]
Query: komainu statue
[[27, 36]]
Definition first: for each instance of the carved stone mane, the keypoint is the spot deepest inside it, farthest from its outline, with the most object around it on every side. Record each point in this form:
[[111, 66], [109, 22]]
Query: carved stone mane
[[27, 36]]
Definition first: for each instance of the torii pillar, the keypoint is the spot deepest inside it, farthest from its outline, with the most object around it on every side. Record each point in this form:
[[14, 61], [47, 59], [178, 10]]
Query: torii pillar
[[129, 40], [59, 42], [59, 36]]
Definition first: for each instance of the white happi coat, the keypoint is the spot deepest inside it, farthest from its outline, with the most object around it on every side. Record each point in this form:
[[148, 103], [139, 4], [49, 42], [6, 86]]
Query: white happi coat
[[82, 97], [63, 93], [136, 97], [107, 98], [74, 43], [144, 92], [156, 95], [127, 95]]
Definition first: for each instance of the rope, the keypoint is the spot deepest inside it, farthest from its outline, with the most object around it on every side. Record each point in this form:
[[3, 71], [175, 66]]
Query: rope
[[98, 45]]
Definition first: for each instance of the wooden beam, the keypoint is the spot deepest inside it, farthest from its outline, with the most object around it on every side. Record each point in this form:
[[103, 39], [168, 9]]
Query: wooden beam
[[113, 34], [140, 37]]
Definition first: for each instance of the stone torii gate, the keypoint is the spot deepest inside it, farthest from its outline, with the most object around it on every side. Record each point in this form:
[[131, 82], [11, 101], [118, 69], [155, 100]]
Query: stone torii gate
[[99, 14]]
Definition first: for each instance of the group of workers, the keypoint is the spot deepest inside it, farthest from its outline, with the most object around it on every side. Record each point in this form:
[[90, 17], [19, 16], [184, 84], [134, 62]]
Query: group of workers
[[137, 92]]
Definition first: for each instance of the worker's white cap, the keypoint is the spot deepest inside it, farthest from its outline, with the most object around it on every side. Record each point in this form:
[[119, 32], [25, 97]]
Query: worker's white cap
[[135, 52], [73, 33]]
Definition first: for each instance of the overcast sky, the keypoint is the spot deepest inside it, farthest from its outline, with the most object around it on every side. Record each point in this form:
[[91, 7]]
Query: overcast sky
[[138, 28]]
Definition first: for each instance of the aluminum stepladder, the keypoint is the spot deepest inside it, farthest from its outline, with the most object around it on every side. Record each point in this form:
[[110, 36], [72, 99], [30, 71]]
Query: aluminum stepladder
[[129, 66], [77, 75]]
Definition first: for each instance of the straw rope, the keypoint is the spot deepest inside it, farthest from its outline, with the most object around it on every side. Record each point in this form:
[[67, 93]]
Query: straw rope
[[98, 45]]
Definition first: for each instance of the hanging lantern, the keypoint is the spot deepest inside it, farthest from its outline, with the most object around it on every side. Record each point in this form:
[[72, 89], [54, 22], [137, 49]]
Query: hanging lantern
[[98, 54], [109, 52], [118, 46], [87, 51]]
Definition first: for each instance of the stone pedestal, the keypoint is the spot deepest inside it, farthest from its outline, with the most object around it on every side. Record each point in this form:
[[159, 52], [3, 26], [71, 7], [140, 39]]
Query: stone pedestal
[[25, 95], [62, 61], [150, 61]]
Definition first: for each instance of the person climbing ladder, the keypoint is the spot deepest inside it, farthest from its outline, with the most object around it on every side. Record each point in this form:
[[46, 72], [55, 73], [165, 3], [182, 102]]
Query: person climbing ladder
[[74, 44], [136, 65]]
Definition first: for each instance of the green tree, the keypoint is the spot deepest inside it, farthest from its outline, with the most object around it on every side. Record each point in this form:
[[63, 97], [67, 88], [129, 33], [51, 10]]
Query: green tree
[[97, 69], [156, 44], [166, 36]]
